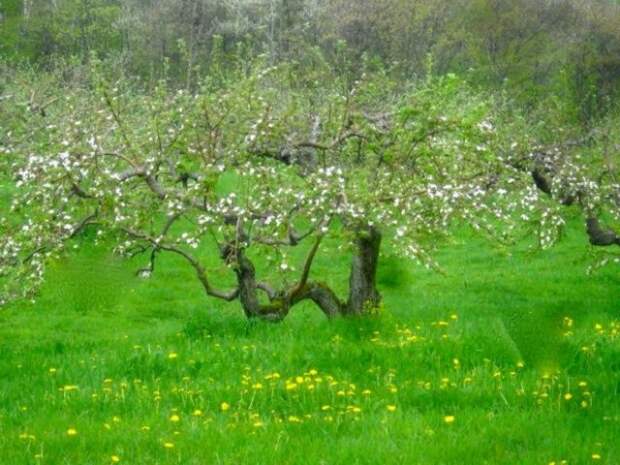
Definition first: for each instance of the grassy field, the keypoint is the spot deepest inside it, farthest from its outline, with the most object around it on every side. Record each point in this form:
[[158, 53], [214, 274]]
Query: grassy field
[[508, 359]]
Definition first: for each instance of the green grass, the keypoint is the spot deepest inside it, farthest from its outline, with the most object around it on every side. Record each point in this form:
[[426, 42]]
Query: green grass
[[116, 358]]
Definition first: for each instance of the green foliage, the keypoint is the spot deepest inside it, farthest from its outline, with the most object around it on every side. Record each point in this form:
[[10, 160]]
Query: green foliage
[[129, 387], [563, 50]]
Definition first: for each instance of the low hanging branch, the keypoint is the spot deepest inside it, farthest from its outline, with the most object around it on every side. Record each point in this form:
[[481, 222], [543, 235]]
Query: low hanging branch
[[598, 235]]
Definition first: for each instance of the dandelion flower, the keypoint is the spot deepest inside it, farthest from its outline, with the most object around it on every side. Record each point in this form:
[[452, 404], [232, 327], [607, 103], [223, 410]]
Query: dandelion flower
[[449, 419], [115, 459], [175, 418], [568, 396], [172, 355], [72, 432], [224, 406], [197, 413], [168, 445], [391, 408], [596, 457]]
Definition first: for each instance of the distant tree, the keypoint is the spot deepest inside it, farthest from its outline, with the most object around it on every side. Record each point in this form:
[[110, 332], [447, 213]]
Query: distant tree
[[68, 28]]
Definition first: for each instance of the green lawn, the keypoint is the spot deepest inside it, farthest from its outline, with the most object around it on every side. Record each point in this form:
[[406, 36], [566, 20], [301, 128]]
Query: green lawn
[[507, 359]]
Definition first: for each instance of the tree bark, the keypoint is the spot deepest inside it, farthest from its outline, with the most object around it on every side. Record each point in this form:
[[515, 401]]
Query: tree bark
[[363, 293], [322, 296], [278, 306], [246, 278]]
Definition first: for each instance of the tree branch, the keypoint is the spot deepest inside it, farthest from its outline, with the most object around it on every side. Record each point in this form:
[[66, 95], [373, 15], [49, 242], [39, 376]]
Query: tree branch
[[200, 270], [306, 270]]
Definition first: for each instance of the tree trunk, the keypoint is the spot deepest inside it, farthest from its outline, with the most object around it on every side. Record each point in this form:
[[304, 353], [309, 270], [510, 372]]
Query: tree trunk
[[363, 293], [276, 310], [246, 277]]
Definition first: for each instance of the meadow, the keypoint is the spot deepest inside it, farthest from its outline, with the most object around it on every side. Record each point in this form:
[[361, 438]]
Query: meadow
[[509, 357], [272, 149]]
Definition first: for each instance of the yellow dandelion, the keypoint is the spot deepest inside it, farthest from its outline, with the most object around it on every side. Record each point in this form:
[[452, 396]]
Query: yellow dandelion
[[257, 386], [596, 457], [449, 419], [172, 355], [391, 408], [258, 424], [168, 445], [115, 459], [197, 413], [325, 408], [568, 396], [224, 406], [294, 419], [175, 418], [72, 432]]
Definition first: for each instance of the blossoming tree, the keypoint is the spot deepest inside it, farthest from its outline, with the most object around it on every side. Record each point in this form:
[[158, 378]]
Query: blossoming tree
[[259, 164]]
